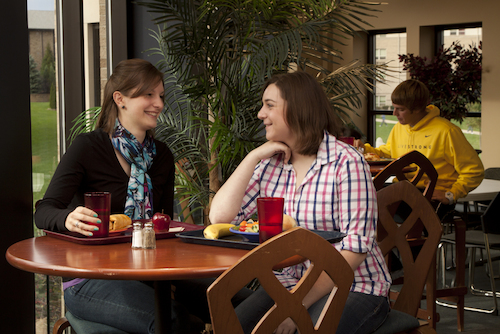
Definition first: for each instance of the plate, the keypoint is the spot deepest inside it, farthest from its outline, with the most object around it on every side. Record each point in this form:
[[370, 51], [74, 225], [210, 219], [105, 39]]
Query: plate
[[251, 236], [120, 231], [382, 161]]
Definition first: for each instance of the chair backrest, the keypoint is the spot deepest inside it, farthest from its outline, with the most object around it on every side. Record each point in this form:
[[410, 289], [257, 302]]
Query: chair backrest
[[391, 235], [259, 263], [395, 168], [490, 219]]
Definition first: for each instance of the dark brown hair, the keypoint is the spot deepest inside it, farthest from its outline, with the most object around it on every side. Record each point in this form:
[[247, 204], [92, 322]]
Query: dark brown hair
[[412, 94], [307, 109], [132, 78]]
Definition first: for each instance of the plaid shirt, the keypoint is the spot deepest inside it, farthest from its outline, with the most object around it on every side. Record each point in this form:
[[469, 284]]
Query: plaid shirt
[[337, 193]]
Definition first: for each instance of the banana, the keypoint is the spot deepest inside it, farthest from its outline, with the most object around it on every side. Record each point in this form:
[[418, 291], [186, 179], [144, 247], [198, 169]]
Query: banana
[[216, 231], [288, 222]]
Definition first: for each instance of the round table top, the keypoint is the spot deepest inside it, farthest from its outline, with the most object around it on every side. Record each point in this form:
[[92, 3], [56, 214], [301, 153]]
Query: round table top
[[486, 191], [172, 259]]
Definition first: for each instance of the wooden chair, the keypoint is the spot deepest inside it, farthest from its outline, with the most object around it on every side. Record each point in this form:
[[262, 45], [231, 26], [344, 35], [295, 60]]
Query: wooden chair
[[390, 235], [424, 167], [395, 168], [259, 264]]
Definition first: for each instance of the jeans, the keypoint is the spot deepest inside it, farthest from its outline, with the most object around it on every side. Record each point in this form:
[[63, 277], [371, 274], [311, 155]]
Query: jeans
[[362, 313], [126, 305]]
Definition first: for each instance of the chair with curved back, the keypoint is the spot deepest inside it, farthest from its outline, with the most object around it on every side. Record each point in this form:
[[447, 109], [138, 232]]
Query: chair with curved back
[[390, 235], [424, 167], [396, 167], [259, 263]]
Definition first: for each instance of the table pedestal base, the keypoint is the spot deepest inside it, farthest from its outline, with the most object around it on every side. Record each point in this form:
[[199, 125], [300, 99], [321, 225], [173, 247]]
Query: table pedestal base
[[163, 307]]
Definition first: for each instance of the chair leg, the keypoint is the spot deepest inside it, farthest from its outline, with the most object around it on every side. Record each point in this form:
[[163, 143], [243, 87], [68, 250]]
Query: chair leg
[[472, 269], [432, 316], [492, 280], [442, 263]]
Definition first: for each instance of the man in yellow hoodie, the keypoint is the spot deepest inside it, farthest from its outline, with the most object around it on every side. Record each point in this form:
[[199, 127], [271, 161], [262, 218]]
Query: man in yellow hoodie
[[421, 128]]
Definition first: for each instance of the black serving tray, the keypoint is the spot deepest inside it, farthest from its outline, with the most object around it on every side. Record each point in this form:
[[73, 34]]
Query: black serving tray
[[238, 241]]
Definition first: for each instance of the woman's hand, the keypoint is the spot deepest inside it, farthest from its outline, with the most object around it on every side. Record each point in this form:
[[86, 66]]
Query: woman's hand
[[226, 203], [286, 327], [271, 148], [76, 218]]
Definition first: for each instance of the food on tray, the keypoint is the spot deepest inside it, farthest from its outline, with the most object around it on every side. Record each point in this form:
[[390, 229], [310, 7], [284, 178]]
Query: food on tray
[[249, 226], [119, 221], [161, 221], [371, 157], [253, 226], [217, 231]]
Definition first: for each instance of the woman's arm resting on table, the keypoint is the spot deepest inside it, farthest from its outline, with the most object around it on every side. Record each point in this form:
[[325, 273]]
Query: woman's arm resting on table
[[323, 286], [227, 201]]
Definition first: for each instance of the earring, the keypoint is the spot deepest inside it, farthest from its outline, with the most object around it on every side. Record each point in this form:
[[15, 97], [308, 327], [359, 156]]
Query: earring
[[123, 107]]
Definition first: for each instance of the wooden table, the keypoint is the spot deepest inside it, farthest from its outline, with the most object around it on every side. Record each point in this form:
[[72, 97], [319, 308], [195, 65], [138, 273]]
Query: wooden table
[[173, 259]]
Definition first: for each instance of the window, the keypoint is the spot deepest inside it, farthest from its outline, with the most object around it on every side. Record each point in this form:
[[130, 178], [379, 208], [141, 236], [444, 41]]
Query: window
[[380, 101], [385, 48], [391, 44], [42, 49], [467, 36], [380, 54]]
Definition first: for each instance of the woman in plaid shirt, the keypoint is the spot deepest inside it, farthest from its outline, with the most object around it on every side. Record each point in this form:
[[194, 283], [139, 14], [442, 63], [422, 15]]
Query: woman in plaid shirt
[[326, 184]]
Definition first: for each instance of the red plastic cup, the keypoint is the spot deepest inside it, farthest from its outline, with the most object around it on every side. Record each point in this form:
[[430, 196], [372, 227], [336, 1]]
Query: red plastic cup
[[270, 212], [347, 140], [100, 202]]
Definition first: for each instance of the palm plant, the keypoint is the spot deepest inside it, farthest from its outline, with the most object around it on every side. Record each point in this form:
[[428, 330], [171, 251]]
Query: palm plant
[[217, 55]]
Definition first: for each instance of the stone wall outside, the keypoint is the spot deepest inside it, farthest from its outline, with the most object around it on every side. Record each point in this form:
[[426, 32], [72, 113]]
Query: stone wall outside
[[39, 97]]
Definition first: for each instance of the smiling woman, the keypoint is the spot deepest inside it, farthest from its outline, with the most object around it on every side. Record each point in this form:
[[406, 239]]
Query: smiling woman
[[122, 157]]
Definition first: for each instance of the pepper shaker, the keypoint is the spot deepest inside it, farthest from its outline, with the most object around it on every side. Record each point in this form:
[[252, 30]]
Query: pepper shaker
[[148, 236], [137, 236]]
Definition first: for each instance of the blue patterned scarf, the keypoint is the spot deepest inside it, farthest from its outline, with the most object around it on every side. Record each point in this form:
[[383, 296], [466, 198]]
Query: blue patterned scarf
[[140, 157]]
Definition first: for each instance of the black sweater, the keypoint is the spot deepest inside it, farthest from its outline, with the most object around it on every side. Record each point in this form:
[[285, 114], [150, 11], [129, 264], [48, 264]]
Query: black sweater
[[90, 164]]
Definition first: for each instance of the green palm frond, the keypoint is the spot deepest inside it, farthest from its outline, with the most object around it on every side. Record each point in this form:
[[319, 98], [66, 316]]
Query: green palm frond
[[217, 55], [84, 122]]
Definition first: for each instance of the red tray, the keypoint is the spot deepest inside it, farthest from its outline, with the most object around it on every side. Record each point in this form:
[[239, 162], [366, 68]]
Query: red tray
[[119, 237]]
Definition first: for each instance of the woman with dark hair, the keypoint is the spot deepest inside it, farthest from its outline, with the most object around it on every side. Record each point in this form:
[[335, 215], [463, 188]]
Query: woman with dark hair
[[119, 156], [326, 185]]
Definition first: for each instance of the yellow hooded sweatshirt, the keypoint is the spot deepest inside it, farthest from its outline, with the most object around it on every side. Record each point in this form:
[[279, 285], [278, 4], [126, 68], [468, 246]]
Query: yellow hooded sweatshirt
[[459, 168]]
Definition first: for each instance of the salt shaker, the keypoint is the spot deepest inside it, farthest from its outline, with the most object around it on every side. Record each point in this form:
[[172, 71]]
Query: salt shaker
[[148, 236], [137, 235]]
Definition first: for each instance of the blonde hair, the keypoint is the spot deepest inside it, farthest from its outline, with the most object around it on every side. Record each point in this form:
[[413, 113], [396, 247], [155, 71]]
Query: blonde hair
[[412, 94]]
